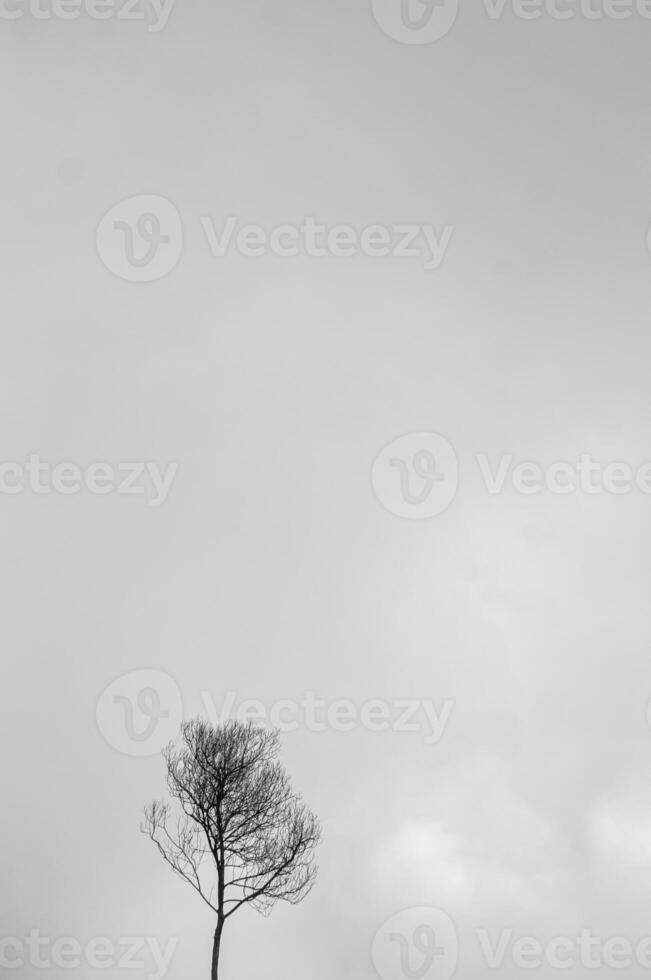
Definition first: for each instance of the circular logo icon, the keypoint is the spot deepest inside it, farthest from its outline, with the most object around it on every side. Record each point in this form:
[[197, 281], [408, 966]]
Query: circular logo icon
[[140, 712], [140, 239], [416, 476], [417, 944], [416, 21]]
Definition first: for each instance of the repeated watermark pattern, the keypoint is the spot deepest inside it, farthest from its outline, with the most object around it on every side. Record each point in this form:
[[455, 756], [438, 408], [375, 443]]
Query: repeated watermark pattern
[[40, 477], [426, 21], [141, 711], [417, 476], [423, 942], [141, 239], [99, 953]]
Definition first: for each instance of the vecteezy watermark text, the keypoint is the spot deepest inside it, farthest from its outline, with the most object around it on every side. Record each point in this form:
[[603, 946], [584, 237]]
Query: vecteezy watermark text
[[341, 241], [140, 712], [40, 477], [569, 9], [426, 21], [100, 953], [315, 714], [423, 942], [416, 476], [155, 12], [141, 239], [584, 475], [590, 951]]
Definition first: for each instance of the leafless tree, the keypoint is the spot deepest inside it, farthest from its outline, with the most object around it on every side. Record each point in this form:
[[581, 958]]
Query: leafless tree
[[241, 835]]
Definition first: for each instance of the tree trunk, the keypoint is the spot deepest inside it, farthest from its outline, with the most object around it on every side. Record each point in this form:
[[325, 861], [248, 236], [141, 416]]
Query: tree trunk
[[215, 950]]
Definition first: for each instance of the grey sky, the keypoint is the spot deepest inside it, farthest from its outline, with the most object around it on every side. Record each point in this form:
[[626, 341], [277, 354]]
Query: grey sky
[[272, 568]]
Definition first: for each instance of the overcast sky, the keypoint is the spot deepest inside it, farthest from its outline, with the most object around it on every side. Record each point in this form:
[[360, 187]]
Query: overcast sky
[[278, 561]]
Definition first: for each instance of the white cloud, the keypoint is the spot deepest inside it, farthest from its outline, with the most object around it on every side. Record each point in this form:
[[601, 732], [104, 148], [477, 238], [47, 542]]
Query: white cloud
[[618, 834]]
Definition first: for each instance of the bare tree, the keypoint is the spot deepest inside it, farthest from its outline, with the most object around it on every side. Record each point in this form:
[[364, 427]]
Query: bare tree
[[241, 835]]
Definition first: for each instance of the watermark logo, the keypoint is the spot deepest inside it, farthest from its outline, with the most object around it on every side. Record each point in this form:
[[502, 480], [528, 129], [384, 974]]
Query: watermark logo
[[416, 476], [422, 944], [425, 21], [416, 944], [416, 21], [140, 712], [141, 238]]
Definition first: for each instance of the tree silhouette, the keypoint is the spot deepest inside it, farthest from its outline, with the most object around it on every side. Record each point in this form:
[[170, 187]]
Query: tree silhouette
[[241, 835]]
